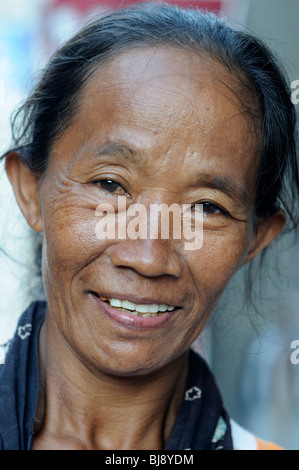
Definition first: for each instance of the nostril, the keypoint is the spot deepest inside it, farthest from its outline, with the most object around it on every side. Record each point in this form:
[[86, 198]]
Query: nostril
[[148, 257]]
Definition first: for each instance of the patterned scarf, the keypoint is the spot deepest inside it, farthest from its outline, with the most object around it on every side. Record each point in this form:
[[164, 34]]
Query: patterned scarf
[[202, 423]]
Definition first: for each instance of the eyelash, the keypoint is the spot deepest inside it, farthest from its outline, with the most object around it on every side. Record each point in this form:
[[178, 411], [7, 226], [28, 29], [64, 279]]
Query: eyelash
[[206, 204], [99, 182]]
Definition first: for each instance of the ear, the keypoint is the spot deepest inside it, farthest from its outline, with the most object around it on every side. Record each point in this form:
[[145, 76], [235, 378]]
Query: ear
[[267, 230], [25, 186]]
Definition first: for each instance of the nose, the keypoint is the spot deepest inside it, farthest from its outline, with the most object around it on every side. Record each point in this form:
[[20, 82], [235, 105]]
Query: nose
[[151, 258]]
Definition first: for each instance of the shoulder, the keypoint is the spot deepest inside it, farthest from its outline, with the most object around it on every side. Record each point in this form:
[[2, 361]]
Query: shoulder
[[244, 440]]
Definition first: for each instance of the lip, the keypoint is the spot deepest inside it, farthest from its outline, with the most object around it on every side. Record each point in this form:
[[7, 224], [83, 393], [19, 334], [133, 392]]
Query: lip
[[132, 321]]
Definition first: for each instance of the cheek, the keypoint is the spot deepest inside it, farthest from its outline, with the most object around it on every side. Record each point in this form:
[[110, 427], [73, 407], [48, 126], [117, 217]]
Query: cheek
[[70, 239], [220, 256]]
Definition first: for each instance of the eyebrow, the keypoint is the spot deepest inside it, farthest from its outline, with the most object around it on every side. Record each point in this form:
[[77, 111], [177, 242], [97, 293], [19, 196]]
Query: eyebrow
[[224, 184], [121, 151]]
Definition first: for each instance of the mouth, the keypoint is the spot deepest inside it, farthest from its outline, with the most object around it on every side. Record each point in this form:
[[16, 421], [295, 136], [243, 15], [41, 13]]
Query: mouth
[[132, 315], [142, 310]]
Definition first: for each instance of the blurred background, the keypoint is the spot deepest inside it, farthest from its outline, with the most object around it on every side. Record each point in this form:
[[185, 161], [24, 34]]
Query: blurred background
[[248, 345]]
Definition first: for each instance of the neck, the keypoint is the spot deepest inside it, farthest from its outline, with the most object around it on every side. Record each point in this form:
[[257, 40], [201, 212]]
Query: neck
[[85, 410]]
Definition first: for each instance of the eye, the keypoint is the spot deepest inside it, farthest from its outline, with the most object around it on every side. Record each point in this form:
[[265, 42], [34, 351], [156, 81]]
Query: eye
[[111, 187], [208, 208]]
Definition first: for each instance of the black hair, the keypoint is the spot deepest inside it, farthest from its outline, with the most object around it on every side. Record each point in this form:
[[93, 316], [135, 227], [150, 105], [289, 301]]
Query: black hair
[[53, 103]]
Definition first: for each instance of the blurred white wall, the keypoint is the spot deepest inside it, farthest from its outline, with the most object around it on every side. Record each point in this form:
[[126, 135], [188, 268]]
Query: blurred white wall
[[18, 51]]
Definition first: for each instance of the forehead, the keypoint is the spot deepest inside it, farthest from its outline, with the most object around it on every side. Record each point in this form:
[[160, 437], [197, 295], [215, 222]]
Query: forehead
[[169, 87], [166, 100]]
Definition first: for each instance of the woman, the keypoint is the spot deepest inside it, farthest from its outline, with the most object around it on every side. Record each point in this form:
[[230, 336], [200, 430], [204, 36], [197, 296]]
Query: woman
[[153, 105]]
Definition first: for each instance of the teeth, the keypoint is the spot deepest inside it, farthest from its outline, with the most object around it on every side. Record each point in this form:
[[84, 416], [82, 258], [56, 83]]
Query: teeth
[[145, 310], [126, 304], [154, 308], [116, 303], [163, 308], [142, 308]]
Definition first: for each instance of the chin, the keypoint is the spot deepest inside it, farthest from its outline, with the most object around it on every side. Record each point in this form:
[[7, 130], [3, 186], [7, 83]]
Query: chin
[[129, 364]]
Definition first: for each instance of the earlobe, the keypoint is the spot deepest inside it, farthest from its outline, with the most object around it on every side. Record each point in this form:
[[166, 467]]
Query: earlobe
[[268, 229], [25, 186]]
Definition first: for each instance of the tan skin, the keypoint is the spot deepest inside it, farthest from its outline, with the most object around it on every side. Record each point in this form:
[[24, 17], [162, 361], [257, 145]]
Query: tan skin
[[105, 385]]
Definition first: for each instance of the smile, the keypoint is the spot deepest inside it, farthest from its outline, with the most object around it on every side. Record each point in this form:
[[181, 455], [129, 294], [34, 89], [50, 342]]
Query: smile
[[143, 310]]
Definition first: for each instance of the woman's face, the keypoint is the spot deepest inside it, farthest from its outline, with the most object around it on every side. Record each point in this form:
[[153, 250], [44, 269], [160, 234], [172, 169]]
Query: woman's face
[[155, 126]]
